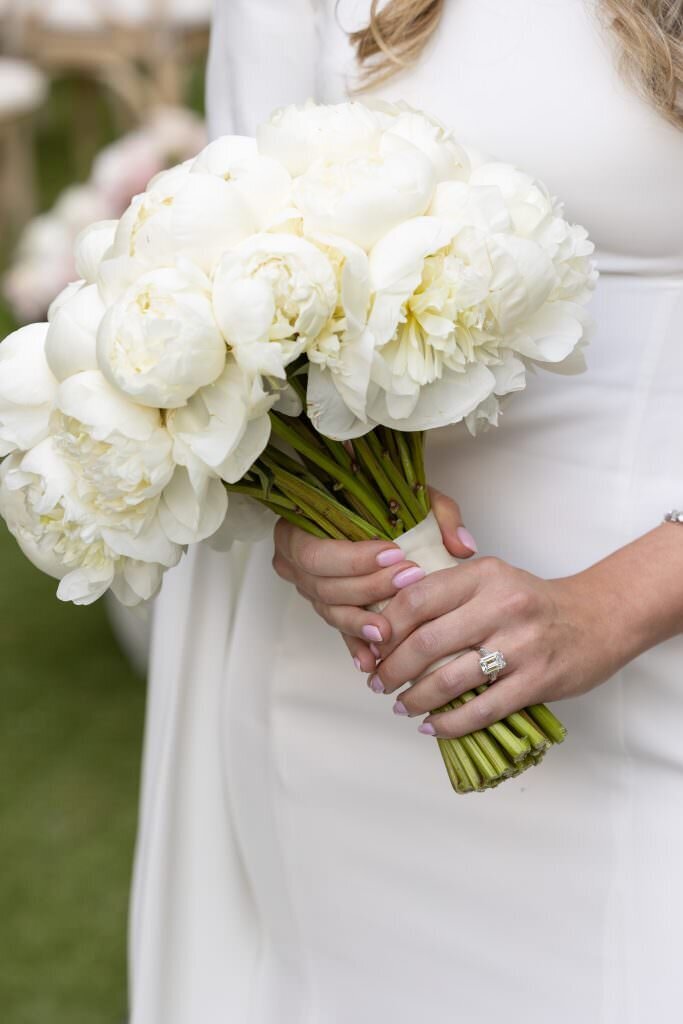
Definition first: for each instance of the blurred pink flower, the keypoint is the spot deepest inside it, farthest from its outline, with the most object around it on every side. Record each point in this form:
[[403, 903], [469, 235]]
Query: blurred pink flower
[[43, 260]]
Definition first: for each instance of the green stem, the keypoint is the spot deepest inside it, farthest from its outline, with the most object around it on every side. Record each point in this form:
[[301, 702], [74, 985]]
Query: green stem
[[484, 766], [406, 459], [347, 523], [383, 455], [548, 723], [525, 727], [367, 500], [455, 771], [471, 773], [258, 494], [319, 519], [488, 745], [416, 441], [366, 456], [291, 465], [303, 522], [517, 747], [342, 457]]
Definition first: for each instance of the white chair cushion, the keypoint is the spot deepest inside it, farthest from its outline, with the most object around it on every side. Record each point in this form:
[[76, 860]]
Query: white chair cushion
[[22, 87], [87, 15]]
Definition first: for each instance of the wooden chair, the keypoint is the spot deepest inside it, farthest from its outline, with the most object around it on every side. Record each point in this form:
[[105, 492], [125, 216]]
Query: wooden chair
[[22, 91], [140, 49]]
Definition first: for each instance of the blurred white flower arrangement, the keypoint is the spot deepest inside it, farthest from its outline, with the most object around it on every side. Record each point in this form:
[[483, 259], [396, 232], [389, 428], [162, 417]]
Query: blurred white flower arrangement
[[43, 261]]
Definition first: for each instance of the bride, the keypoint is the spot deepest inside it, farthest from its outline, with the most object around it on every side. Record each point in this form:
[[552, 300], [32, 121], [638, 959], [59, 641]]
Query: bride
[[302, 858]]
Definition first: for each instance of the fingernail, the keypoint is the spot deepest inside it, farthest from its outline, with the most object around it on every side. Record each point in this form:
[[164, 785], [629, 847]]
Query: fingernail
[[407, 576], [466, 539], [390, 557], [400, 709], [372, 632], [375, 650], [375, 684], [427, 729], [358, 665]]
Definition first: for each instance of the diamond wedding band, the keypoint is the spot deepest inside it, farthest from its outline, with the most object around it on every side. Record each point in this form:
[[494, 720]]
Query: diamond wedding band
[[491, 663]]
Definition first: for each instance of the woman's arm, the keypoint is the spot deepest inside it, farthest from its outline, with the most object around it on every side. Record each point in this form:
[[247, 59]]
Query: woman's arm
[[560, 637]]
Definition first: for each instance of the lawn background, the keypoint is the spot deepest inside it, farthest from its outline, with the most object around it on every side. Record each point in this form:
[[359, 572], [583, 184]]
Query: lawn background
[[71, 717]]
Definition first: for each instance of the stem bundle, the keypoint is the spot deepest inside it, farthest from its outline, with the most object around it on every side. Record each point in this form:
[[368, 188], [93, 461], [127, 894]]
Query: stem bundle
[[375, 488]]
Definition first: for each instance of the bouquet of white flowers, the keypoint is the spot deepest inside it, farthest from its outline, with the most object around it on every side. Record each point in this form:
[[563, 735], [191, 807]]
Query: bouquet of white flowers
[[279, 321]]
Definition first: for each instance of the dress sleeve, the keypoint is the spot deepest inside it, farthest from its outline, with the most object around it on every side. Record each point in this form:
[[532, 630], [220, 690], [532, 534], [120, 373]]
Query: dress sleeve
[[263, 55]]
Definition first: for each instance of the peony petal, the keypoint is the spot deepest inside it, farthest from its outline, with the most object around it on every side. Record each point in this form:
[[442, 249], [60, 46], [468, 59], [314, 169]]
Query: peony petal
[[27, 389], [71, 343], [90, 247]]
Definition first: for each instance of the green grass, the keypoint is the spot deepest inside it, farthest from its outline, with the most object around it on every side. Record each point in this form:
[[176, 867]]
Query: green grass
[[71, 716], [71, 722], [70, 731]]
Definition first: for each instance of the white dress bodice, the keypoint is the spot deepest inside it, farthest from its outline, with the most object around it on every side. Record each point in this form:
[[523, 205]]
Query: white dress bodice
[[301, 857], [532, 82]]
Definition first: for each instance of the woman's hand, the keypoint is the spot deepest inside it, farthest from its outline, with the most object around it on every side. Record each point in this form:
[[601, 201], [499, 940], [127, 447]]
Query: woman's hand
[[341, 577], [559, 637]]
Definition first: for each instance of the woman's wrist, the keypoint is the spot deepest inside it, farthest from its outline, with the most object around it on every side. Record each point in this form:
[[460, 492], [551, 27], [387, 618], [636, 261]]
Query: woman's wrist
[[633, 599]]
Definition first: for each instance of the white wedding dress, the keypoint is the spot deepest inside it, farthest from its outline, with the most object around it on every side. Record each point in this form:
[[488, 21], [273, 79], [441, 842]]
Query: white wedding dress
[[302, 858]]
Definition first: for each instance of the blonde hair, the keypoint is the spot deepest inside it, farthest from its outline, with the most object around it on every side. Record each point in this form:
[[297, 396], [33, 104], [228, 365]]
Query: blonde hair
[[650, 34]]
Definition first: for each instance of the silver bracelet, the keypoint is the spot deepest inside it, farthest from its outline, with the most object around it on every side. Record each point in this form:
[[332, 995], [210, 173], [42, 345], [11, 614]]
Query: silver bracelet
[[674, 516]]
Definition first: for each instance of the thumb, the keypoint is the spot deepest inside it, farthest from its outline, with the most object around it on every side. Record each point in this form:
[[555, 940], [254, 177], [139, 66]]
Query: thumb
[[457, 539]]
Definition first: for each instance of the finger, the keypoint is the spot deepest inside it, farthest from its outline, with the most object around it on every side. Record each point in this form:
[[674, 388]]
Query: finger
[[456, 537], [333, 557], [458, 675], [284, 568], [360, 590], [368, 626], [429, 598], [456, 631], [361, 655], [500, 700]]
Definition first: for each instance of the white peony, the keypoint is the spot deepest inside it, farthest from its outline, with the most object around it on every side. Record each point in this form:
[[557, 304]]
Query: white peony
[[273, 295], [62, 534], [160, 343], [83, 504], [455, 307], [224, 428], [263, 183], [196, 216], [92, 243], [121, 450], [433, 138], [123, 457], [363, 198], [71, 343], [192, 506], [27, 389], [343, 352], [297, 136], [100, 503], [63, 296]]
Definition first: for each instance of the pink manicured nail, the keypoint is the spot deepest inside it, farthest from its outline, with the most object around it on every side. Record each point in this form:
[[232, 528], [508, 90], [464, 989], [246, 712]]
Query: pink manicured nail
[[375, 650], [407, 576], [358, 665], [427, 729], [372, 632], [390, 557], [466, 539], [400, 709], [375, 684]]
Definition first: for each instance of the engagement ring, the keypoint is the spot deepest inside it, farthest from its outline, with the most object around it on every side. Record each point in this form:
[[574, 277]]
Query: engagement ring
[[491, 663]]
